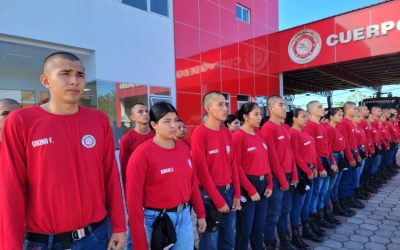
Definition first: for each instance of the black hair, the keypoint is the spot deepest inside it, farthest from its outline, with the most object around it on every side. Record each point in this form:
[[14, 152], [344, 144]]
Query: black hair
[[62, 54], [332, 112], [245, 109], [158, 110], [229, 119], [294, 113]]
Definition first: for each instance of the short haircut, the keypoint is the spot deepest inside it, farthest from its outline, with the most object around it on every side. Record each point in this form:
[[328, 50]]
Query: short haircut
[[9, 101], [208, 96], [138, 103], [332, 112], [348, 105], [272, 100], [60, 54], [311, 104]]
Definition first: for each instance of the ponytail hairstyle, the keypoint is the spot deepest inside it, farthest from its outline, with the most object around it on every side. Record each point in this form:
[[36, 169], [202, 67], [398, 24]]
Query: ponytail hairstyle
[[332, 112], [293, 114], [159, 110], [245, 109]]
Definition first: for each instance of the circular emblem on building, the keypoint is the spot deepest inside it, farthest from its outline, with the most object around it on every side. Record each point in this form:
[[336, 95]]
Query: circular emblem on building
[[304, 46], [88, 141]]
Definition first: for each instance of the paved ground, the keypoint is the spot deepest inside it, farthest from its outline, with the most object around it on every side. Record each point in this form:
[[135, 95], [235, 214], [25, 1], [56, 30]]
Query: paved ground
[[377, 226]]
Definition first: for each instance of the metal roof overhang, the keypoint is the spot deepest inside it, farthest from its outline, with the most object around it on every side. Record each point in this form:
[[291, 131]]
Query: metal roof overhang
[[371, 72]]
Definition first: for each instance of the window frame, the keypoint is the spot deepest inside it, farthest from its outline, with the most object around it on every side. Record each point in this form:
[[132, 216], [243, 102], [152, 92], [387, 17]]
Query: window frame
[[243, 9]]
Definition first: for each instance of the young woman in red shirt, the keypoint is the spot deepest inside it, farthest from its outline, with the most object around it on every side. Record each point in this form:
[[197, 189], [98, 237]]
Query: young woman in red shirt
[[304, 151], [255, 178], [161, 180]]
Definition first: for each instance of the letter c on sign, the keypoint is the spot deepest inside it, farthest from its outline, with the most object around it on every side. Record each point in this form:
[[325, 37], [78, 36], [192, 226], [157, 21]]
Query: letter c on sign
[[332, 40]]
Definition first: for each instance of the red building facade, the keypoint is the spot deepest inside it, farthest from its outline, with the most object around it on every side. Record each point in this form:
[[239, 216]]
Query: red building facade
[[216, 51]]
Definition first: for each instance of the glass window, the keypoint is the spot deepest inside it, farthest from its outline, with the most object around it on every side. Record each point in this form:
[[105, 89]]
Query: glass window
[[140, 4], [159, 7], [242, 99], [116, 99], [242, 13], [227, 101], [26, 98]]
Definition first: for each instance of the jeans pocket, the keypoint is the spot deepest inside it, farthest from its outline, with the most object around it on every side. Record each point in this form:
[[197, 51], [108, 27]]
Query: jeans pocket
[[100, 235], [31, 245]]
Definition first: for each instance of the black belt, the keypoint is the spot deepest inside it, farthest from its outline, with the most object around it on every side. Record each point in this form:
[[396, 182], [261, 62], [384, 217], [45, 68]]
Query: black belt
[[256, 177], [73, 235], [224, 188], [177, 209]]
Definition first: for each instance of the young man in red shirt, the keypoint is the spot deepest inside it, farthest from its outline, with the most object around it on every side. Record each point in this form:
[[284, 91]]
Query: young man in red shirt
[[130, 141], [277, 137], [134, 137], [212, 153], [326, 166], [347, 183], [58, 178]]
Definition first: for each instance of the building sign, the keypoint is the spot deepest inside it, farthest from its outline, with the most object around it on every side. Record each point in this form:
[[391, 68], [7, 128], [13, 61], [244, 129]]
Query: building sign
[[304, 46], [363, 33]]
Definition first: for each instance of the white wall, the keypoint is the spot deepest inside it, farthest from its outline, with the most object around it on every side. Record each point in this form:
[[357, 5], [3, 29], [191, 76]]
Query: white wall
[[130, 45]]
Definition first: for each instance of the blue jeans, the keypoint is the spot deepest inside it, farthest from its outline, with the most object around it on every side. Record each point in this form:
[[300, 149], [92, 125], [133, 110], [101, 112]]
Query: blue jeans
[[297, 205], [335, 189], [358, 173], [279, 206], [225, 237], [250, 220], [97, 239], [376, 163], [305, 210], [346, 185], [183, 227], [332, 182]]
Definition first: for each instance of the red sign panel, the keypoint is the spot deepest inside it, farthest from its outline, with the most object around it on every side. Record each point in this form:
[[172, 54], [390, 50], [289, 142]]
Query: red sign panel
[[364, 33]]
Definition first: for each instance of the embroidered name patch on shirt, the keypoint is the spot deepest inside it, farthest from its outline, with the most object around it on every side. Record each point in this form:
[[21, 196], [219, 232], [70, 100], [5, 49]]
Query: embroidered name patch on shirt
[[281, 137], [306, 143], [251, 149], [43, 141], [214, 151], [167, 170]]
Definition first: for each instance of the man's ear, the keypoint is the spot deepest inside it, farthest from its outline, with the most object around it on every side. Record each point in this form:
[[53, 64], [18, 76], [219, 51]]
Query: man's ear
[[44, 80]]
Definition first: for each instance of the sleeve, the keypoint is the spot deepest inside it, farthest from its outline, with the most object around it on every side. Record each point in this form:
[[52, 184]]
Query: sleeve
[[235, 172], [244, 181], [311, 132], [270, 139], [298, 158], [197, 202], [346, 134], [135, 179], [112, 184], [270, 184], [200, 161], [124, 154], [13, 185]]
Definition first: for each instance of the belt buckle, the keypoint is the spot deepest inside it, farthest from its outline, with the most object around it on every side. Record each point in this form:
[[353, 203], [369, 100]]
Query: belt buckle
[[78, 234], [227, 186], [179, 208], [262, 177]]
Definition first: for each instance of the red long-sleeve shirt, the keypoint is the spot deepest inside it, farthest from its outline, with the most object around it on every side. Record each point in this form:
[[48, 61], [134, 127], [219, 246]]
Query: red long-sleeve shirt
[[318, 132], [347, 128], [252, 158], [128, 143], [215, 162], [369, 143], [58, 173], [362, 138], [335, 138], [375, 136], [280, 153], [394, 132], [159, 178], [303, 146]]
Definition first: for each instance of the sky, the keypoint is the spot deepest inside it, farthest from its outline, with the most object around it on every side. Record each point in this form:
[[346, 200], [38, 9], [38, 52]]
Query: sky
[[293, 13]]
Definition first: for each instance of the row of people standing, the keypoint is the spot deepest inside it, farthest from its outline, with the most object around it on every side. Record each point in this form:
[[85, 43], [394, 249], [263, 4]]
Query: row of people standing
[[311, 152]]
